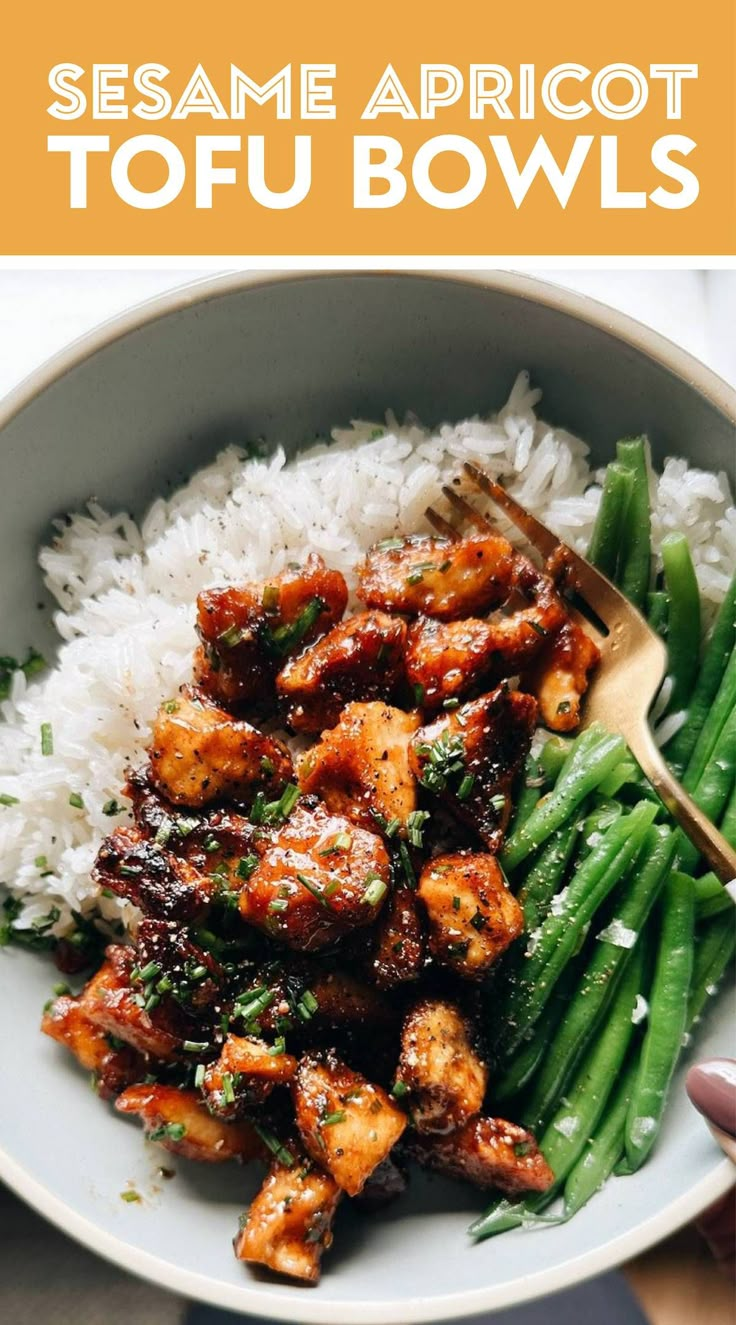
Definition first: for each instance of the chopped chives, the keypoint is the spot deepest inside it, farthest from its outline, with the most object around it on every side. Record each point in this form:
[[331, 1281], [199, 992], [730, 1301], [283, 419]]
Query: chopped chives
[[199, 1075], [289, 798], [227, 1088], [273, 1144], [130, 1196], [330, 1119], [399, 1090], [47, 739], [406, 865], [195, 1046], [6, 799], [313, 888], [41, 862], [466, 786], [111, 807], [375, 890], [245, 867], [76, 801]]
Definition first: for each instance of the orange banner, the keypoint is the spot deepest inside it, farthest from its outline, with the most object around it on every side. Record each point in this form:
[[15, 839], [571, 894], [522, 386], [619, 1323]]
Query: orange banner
[[404, 128]]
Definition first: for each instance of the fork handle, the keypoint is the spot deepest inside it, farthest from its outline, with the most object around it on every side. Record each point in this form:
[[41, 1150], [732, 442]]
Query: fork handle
[[711, 844]]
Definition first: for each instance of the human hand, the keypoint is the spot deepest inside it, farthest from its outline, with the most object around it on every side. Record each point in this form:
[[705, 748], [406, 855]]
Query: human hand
[[711, 1086]]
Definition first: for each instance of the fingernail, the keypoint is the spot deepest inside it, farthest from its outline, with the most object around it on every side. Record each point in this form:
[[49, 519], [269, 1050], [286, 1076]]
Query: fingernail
[[712, 1089]]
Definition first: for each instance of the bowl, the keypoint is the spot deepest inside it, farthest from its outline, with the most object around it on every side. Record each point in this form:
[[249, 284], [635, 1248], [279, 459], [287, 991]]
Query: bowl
[[125, 414]]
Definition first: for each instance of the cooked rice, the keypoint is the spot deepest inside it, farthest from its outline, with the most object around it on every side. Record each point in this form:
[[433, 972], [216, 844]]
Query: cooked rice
[[127, 593]]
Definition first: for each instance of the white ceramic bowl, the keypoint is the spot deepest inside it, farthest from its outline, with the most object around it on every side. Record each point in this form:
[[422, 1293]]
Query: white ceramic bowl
[[130, 409]]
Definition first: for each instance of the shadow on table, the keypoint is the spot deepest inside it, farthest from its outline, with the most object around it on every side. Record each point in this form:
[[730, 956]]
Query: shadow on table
[[604, 1301]]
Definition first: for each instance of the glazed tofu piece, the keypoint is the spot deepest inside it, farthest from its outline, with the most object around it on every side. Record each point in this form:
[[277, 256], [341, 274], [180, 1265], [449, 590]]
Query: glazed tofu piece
[[470, 758], [359, 659], [436, 576], [247, 630], [347, 1124], [289, 1224], [180, 1122], [446, 660], [343, 1001], [170, 964], [561, 676], [319, 876], [161, 884], [473, 916], [361, 767], [440, 1066], [67, 1022], [400, 945], [113, 1004], [244, 1075], [200, 754], [213, 840], [489, 1152], [520, 635]]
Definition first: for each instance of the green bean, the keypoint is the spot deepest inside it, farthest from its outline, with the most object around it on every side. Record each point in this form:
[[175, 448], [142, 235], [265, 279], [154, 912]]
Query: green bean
[[715, 660], [580, 775], [714, 788], [547, 872], [558, 938], [522, 1067], [668, 1010], [530, 790], [588, 1004], [723, 704], [596, 822], [575, 1121], [553, 756], [626, 771], [636, 560], [597, 1162], [607, 539], [713, 953], [728, 822], [658, 610], [711, 898], [683, 634], [714, 949]]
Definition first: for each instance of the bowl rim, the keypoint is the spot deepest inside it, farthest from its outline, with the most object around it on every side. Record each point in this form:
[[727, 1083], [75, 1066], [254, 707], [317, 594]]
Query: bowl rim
[[585, 308], [301, 1307]]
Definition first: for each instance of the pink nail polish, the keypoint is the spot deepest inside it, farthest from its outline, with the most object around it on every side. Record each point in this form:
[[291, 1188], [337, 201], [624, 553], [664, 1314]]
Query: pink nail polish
[[712, 1089]]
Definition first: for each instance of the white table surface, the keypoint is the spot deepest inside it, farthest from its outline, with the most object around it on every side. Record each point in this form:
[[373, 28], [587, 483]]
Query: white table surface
[[41, 311]]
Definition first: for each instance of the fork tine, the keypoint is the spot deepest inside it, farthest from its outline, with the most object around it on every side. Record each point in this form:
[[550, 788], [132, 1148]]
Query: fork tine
[[441, 525], [468, 512], [537, 533], [603, 597]]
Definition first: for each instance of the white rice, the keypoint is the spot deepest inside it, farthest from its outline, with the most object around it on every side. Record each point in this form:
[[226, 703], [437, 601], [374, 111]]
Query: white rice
[[127, 593]]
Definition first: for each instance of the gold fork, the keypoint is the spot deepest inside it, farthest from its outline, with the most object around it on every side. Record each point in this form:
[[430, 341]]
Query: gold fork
[[632, 669]]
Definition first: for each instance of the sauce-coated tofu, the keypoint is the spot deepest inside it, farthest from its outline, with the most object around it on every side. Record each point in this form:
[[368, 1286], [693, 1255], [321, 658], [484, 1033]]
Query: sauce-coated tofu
[[319, 877], [436, 576], [199, 754], [361, 659], [347, 1124], [472, 915], [440, 1066], [178, 1120], [361, 767], [489, 1152], [289, 1223]]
